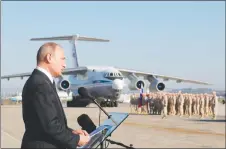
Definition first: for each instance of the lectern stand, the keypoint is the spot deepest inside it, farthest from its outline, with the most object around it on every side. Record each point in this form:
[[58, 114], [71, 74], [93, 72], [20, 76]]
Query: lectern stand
[[105, 130]]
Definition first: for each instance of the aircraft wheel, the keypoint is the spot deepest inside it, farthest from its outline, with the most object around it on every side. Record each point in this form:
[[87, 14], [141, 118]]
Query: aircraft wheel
[[105, 104], [102, 104], [116, 104], [108, 104], [112, 104]]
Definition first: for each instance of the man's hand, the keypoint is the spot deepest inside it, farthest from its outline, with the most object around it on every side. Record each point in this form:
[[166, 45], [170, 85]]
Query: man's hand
[[83, 140], [80, 132]]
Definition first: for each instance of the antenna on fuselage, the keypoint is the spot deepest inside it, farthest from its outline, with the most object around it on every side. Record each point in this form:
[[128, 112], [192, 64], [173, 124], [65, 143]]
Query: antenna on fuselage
[[73, 40]]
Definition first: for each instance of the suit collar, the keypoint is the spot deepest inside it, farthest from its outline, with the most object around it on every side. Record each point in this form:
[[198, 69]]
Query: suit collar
[[45, 72], [42, 75]]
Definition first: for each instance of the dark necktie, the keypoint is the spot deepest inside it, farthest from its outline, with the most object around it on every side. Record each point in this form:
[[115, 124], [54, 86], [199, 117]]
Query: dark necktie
[[61, 107], [54, 85]]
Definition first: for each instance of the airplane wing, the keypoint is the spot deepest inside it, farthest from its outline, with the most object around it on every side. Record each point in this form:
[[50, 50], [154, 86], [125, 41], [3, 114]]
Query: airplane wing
[[21, 75], [68, 71], [126, 72]]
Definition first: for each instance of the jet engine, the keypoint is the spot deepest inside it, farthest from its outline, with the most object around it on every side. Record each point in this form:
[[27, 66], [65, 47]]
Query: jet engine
[[136, 84], [63, 85], [156, 86]]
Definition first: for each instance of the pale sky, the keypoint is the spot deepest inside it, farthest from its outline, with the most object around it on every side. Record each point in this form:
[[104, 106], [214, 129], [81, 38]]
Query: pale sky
[[182, 39]]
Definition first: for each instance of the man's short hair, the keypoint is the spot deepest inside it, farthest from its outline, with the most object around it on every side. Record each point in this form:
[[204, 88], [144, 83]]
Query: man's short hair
[[44, 49]]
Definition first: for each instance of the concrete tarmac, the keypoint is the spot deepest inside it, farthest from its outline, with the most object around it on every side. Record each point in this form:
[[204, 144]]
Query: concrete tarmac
[[143, 131]]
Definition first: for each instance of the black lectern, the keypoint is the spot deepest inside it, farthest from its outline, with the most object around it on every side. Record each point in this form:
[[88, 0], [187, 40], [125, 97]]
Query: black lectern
[[105, 130]]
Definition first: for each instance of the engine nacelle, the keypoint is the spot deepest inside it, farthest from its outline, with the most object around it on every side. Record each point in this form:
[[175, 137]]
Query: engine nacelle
[[136, 84], [156, 86], [63, 85]]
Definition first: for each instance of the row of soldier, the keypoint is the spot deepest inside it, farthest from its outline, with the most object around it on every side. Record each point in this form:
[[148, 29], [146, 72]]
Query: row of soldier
[[176, 104]]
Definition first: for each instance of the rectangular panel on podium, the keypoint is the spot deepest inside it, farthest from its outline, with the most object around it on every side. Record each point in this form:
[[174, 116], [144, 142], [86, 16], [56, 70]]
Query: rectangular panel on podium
[[105, 129]]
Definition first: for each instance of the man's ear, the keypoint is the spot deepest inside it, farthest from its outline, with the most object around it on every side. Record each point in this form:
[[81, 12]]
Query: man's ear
[[49, 58]]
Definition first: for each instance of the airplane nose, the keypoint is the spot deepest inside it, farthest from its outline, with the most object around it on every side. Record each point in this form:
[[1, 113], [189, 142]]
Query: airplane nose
[[117, 84]]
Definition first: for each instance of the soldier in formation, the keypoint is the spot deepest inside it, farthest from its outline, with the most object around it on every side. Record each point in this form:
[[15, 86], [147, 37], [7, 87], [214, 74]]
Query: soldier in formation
[[181, 104]]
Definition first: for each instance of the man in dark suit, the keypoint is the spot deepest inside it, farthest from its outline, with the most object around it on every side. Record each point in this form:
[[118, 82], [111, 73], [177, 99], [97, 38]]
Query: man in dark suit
[[43, 114]]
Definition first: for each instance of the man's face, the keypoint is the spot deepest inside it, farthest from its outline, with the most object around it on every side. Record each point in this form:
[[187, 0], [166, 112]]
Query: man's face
[[58, 62]]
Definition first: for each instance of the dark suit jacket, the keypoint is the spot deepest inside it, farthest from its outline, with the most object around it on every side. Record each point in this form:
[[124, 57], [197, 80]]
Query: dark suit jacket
[[43, 115]]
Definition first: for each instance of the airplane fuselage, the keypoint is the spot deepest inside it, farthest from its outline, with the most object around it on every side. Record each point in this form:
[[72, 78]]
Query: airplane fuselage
[[104, 82]]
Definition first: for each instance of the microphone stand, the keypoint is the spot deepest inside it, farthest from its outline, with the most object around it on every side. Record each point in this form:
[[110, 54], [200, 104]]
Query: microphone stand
[[111, 141], [109, 116], [120, 144]]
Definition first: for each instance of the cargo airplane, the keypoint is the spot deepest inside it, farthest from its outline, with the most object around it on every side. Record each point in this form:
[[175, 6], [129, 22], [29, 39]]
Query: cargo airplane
[[104, 83]]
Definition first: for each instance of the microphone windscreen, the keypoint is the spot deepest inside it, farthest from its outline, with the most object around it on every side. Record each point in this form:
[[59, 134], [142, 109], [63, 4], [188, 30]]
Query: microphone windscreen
[[86, 123], [83, 91]]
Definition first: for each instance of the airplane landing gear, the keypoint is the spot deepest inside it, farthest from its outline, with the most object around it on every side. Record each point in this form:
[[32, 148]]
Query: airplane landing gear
[[114, 104], [107, 102]]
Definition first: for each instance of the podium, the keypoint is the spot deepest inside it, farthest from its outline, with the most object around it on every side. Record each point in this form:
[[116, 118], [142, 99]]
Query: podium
[[105, 130]]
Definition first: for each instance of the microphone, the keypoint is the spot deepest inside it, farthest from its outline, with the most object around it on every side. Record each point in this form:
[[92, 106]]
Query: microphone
[[84, 92], [86, 123]]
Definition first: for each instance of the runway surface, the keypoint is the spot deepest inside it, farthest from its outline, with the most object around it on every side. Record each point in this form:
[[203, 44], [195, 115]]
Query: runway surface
[[143, 131]]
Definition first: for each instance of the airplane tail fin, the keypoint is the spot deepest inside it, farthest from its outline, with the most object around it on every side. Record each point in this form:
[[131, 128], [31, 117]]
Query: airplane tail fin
[[73, 39]]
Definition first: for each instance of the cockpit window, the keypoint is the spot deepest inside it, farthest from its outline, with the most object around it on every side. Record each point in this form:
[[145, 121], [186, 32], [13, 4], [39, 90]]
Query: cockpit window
[[113, 76]]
